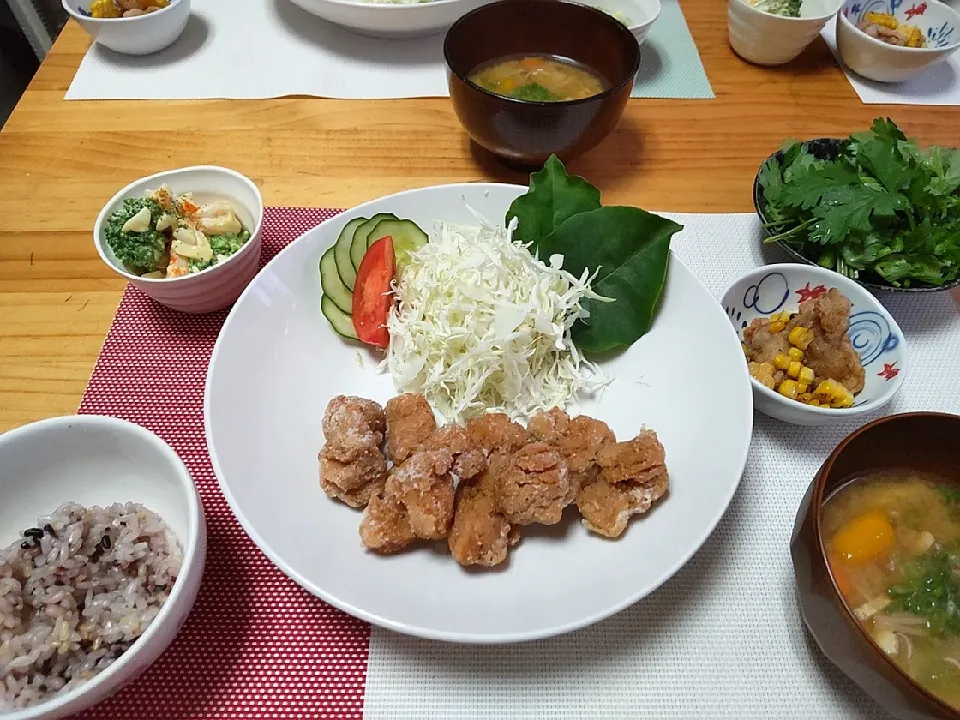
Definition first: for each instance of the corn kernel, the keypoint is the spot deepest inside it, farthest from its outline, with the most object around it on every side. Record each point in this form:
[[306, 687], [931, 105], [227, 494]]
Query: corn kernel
[[832, 393], [776, 326], [781, 362], [803, 387], [804, 397], [806, 375], [789, 389], [813, 402], [104, 9], [800, 337], [882, 19], [795, 353], [794, 369]]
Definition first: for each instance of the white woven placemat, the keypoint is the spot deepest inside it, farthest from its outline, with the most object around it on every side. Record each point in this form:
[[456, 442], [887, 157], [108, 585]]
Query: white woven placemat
[[723, 638]]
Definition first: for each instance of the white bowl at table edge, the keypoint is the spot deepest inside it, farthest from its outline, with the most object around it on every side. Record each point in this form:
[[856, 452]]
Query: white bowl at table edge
[[767, 39], [878, 61], [193, 542], [139, 35], [390, 20], [215, 287]]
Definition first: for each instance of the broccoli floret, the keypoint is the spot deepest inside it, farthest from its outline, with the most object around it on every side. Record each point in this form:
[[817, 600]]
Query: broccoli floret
[[228, 244], [139, 252], [222, 245]]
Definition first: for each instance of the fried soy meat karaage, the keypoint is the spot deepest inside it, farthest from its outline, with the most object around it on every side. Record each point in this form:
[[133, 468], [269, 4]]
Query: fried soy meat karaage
[[633, 475], [578, 439], [830, 353], [480, 534], [417, 501], [352, 467], [535, 486], [410, 422]]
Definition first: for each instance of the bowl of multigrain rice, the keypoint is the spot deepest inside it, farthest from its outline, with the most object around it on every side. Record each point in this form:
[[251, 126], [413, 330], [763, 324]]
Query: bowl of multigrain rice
[[102, 548]]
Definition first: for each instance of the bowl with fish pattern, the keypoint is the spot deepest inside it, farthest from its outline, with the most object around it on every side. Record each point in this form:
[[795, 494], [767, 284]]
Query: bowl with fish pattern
[[874, 334]]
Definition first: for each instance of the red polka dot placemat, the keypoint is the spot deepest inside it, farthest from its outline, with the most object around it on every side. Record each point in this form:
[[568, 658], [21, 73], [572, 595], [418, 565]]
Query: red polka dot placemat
[[256, 644]]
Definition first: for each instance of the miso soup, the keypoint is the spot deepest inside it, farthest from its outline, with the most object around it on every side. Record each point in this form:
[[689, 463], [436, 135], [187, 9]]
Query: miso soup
[[893, 545], [541, 78]]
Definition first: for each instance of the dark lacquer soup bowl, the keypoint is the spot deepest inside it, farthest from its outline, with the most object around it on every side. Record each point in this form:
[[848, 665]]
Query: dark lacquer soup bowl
[[925, 445], [525, 132]]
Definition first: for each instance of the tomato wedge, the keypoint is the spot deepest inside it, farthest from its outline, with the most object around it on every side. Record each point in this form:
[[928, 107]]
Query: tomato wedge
[[372, 294]]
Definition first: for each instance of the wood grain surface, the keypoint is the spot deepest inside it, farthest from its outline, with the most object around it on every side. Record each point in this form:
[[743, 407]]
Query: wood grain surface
[[61, 161]]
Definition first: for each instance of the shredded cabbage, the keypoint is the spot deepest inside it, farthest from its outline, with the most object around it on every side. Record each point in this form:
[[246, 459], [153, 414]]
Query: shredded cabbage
[[482, 325]]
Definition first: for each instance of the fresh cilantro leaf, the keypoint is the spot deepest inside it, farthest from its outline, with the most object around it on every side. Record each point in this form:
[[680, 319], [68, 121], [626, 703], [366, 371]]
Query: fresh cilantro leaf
[[885, 209]]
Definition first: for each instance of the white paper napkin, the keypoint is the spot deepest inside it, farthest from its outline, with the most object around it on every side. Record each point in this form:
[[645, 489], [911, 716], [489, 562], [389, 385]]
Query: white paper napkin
[[721, 639], [938, 85], [240, 49]]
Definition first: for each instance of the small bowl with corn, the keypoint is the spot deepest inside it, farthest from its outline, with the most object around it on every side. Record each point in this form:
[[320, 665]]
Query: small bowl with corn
[[929, 31], [131, 27], [775, 292]]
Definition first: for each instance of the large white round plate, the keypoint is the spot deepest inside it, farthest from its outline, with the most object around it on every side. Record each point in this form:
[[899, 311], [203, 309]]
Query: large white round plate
[[278, 363]]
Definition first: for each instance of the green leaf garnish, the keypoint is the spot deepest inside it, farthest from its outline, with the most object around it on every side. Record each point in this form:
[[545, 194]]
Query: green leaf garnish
[[626, 248], [553, 197]]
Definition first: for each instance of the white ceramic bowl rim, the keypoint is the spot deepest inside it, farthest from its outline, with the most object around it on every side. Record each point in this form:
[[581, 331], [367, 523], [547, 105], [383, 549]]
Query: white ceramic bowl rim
[[900, 48], [390, 6], [650, 21], [809, 19], [113, 21], [838, 280], [160, 176], [188, 544]]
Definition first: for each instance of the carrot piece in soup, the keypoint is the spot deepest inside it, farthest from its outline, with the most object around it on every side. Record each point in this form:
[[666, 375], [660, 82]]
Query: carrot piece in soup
[[864, 538]]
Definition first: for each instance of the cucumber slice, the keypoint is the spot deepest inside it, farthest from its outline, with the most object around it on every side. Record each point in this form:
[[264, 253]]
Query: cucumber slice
[[333, 286], [341, 322], [348, 273], [407, 238], [359, 246]]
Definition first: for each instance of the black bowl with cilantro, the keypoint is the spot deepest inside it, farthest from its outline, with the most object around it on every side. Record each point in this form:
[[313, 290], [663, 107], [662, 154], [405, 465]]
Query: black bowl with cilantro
[[876, 207]]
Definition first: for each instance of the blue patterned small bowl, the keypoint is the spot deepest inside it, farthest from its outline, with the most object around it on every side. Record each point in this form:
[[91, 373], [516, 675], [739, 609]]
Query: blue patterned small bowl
[[874, 333], [875, 59]]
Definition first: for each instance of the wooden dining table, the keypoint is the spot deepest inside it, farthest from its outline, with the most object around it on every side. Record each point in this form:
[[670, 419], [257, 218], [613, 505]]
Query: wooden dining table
[[61, 161]]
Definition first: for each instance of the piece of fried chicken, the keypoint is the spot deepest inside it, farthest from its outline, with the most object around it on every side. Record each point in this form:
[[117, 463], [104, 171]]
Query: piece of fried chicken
[[762, 346], [468, 460], [830, 353], [496, 433], [480, 534], [633, 475], [416, 503], [352, 467], [410, 422], [535, 486], [579, 440]]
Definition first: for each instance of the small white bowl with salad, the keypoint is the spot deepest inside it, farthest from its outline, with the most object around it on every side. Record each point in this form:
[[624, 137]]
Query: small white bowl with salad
[[638, 15], [188, 238], [774, 32]]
